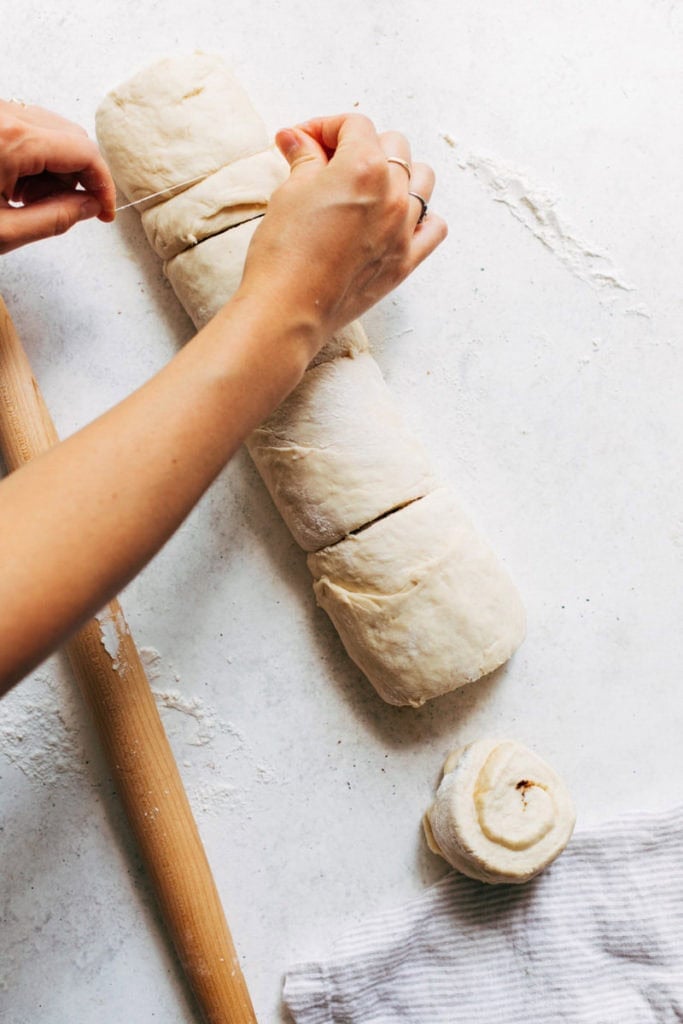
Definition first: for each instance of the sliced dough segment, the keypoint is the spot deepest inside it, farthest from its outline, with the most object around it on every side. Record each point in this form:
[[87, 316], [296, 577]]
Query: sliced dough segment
[[501, 814], [235, 194], [177, 119], [348, 341], [206, 276], [337, 453], [420, 601]]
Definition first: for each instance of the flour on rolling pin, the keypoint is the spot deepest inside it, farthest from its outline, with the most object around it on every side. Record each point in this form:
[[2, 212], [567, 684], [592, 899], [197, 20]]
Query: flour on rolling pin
[[112, 626]]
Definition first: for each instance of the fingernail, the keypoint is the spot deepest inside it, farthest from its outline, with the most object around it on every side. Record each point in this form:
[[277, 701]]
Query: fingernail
[[90, 208], [287, 142]]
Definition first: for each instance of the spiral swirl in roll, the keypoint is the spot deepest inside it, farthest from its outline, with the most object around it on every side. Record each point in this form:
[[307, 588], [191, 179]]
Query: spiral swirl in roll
[[501, 814]]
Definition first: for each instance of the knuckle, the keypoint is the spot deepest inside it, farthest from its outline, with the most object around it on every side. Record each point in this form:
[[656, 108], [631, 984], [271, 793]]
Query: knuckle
[[13, 130], [361, 119], [370, 171], [398, 206], [62, 221]]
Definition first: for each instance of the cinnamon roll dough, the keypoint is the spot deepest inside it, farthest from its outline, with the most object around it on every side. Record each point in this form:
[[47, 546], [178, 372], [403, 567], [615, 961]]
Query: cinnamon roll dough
[[180, 118], [501, 814], [234, 194], [337, 454], [206, 276], [420, 601]]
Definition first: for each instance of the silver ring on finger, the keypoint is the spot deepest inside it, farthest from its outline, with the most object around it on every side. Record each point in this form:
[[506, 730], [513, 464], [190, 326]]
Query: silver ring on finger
[[401, 163], [424, 204]]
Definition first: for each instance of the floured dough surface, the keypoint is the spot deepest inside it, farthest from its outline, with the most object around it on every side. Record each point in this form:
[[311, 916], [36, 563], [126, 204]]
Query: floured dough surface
[[501, 814], [236, 193], [177, 119], [206, 276], [420, 601], [337, 453], [348, 341]]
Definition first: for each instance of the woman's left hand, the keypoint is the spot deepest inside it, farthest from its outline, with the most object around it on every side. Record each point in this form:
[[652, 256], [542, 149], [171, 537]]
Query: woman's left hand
[[50, 167]]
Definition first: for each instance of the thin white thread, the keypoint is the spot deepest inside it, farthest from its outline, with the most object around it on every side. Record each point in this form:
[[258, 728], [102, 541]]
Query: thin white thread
[[163, 191]]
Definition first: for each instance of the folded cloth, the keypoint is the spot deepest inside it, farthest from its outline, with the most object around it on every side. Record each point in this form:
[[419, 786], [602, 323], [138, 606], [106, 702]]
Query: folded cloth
[[596, 939]]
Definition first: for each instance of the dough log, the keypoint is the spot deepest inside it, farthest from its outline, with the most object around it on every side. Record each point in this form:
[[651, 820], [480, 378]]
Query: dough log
[[233, 195], [501, 814], [337, 455], [419, 599]]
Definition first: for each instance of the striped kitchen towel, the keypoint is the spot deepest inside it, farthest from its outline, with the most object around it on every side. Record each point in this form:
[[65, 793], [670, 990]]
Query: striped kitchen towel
[[596, 939]]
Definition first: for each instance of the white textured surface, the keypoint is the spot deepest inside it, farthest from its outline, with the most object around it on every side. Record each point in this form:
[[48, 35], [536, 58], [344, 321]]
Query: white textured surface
[[548, 394]]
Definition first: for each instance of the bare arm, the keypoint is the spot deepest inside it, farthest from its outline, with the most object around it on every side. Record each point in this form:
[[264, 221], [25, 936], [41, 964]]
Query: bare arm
[[78, 523]]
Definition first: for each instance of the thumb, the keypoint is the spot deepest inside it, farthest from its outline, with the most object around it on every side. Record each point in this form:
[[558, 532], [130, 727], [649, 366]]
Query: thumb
[[46, 217], [297, 147]]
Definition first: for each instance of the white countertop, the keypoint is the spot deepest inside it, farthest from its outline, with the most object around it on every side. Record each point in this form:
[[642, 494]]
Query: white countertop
[[538, 355]]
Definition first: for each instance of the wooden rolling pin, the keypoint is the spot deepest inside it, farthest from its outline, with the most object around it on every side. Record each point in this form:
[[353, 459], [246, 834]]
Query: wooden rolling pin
[[111, 676]]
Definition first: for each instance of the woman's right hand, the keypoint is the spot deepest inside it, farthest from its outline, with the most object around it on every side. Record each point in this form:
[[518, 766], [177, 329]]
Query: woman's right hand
[[342, 231]]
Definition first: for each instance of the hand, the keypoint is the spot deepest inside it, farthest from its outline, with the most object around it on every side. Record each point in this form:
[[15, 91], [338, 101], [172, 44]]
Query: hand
[[43, 161], [342, 231]]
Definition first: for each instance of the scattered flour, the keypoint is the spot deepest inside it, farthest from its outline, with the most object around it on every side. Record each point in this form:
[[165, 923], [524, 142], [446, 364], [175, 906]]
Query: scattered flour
[[41, 730], [205, 723], [639, 310], [537, 210], [43, 727], [213, 797], [190, 721]]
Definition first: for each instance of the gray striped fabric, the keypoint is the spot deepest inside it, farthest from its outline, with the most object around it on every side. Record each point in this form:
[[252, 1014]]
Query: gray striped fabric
[[596, 939]]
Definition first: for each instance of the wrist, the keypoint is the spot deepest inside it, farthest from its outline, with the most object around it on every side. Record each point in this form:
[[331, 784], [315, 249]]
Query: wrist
[[250, 356], [295, 331]]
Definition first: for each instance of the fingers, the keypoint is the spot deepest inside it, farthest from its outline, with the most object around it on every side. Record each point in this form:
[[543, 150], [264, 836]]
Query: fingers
[[39, 116], [299, 148], [44, 218], [28, 190], [417, 179], [421, 184], [67, 153], [342, 231], [342, 132], [430, 234], [320, 140], [38, 148], [422, 181], [396, 149]]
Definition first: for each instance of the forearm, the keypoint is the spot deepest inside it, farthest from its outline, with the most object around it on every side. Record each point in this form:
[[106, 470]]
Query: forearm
[[339, 234], [80, 521]]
